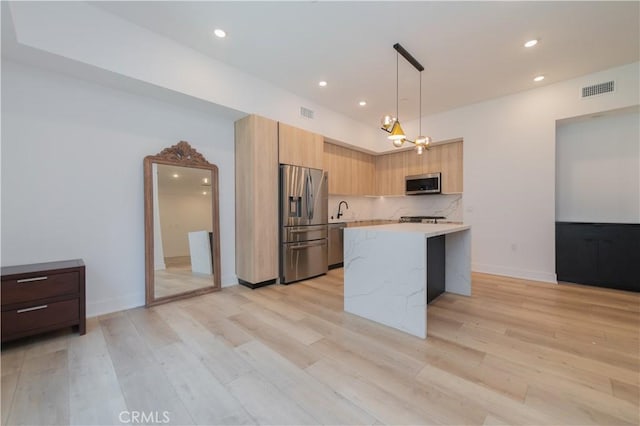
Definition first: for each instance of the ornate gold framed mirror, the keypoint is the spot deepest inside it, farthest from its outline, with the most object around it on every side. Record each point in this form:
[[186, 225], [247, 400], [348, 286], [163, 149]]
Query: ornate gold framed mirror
[[181, 224]]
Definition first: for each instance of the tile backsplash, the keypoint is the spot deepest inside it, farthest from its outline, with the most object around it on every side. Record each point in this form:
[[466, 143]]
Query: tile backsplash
[[391, 208]]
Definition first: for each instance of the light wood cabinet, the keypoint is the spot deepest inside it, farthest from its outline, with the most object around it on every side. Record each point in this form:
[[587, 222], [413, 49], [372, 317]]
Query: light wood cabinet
[[300, 147], [256, 168], [451, 167], [391, 169], [350, 172]]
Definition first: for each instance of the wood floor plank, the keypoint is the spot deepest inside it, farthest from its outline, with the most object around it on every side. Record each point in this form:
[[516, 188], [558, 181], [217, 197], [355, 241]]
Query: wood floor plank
[[266, 403], [9, 385], [293, 329], [385, 406], [568, 411], [293, 350], [303, 389], [92, 377], [499, 406], [206, 399], [626, 392], [155, 330], [214, 353], [42, 392]]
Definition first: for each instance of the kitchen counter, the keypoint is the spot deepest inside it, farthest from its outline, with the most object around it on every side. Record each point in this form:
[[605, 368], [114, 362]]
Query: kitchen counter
[[385, 271]]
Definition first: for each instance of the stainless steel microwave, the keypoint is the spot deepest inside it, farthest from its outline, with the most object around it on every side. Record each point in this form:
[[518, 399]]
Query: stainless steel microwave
[[423, 184]]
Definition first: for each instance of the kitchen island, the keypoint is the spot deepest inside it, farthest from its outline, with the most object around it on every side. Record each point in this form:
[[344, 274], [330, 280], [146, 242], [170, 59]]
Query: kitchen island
[[385, 271]]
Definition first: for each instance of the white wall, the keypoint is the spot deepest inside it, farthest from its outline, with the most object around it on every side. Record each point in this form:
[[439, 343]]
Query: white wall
[[72, 183], [179, 215], [598, 169]]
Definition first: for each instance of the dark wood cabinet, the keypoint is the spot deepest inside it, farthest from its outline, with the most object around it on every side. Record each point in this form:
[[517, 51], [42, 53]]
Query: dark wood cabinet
[[436, 266], [42, 297], [601, 254]]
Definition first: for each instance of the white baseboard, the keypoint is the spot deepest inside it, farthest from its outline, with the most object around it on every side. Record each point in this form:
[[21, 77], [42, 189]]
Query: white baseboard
[[115, 304], [134, 300], [546, 277], [229, 280]]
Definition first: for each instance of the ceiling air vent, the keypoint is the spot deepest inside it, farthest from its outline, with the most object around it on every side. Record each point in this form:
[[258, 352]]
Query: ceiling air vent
[[306, 112], [598, 89]]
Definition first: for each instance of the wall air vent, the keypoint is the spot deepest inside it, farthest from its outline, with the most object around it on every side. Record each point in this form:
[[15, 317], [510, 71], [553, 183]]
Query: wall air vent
[[598, 89], [306, 112]]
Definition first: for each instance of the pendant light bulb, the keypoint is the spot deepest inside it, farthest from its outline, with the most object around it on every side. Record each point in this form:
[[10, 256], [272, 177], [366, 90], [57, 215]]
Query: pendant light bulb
[[398, 142], [387, 121], [423, 141], [419, 149]]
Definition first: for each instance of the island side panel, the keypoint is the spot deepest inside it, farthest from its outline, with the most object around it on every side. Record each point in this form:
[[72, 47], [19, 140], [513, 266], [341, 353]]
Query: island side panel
[[385, 278], [458, 262]]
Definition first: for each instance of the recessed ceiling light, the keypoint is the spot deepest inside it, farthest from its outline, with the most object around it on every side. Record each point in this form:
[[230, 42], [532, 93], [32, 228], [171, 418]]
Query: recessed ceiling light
[[322, 83], [175, 175], [220, 33], [362, 103], [539, 78], [204, 192], [531, 43]]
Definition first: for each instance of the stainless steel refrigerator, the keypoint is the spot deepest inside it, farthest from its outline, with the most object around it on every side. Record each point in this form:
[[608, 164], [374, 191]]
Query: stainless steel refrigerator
[[303, 220]]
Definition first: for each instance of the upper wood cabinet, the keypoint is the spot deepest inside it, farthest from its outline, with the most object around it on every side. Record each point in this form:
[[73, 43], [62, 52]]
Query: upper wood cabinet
[[300, 147], [392, 168], [390, 172], [350, 172], [256, 168], [451, 167]]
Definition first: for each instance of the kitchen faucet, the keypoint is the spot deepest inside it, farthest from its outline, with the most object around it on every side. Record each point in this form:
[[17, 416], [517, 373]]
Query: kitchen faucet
[[339, 206]]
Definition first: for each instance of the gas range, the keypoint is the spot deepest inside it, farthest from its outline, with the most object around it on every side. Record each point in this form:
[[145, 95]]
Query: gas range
[[420, 219]]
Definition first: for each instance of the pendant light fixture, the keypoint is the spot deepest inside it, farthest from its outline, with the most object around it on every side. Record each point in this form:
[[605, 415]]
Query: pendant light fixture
[[391, 124]]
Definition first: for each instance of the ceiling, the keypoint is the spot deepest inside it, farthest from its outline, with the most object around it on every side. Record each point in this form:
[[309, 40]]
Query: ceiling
[[186, 181], [472, 51]]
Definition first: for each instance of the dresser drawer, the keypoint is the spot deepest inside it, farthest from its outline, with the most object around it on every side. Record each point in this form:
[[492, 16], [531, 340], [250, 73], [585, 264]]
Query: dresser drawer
[[39, 287], [39, 316]]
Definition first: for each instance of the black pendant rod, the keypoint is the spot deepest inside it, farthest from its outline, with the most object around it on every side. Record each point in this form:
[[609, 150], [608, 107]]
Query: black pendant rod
[[401, 50]]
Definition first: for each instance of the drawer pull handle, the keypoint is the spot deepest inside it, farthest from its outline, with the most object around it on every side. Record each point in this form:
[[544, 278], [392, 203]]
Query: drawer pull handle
[[28, 280], [35, 308]]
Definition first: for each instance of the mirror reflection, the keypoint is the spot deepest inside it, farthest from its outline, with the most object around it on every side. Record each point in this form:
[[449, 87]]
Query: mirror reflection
[[183, 234]]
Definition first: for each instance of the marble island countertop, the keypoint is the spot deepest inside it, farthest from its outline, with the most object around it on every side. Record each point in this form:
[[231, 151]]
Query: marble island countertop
[[428, 229], [389, 269]]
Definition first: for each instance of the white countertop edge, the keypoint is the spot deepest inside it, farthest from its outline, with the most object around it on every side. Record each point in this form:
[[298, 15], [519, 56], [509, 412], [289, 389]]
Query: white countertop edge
[[428, 229]]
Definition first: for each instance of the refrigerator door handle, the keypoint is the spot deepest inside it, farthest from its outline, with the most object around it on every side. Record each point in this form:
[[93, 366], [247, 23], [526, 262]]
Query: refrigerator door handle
[[307, 194], [311, 196]]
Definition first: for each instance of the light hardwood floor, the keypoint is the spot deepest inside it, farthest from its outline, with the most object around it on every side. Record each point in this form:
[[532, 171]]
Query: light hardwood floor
[[515, 352]]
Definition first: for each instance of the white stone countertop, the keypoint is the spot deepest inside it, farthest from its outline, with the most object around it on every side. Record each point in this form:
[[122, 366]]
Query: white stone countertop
[[428, 229]]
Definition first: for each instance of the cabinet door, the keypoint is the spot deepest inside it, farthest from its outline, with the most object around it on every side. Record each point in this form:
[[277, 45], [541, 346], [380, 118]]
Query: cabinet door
[[350, 172], [415, 163], [329, 161], [362, 174], [576, 253], [451, 164], [433, 160], [299, 147], [256, 182], [391, 170]]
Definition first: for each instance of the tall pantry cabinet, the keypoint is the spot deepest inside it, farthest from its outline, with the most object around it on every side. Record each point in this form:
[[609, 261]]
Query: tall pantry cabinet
[[256, 169]]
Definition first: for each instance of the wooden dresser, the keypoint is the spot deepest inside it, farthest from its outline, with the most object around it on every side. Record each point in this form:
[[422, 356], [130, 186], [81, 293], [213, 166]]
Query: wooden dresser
[[42, 297]]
